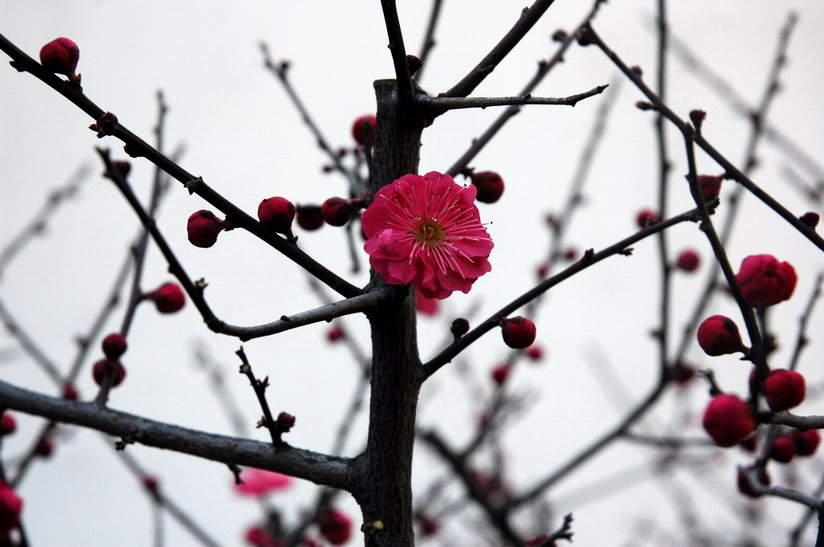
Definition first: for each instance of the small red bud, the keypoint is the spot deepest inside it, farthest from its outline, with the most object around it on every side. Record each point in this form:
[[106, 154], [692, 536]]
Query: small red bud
[[277, 213], [697, 117], [644, 105], [124, 167], [764, 281], [535, 353], [10, 507], [114, 345], [414, 63], [360, 128], [637, 70], [7, 424], [429, 526], [70, 393], [490, 186], [784, 389], [460, 326], [744, 485], [168, 298], [335, 525], [500, 374], [709, 185], [806, 442], [682, 374], [559, 35], [336, 211], [309, 217], [335, 334], [571, 253], [203, 227], [542, 271], [45, 447], [718, 335], [518, 332], [60, 56], [104, 367], [728, 420], [284, 422], [783, 449], [645, 217], [688, 260]]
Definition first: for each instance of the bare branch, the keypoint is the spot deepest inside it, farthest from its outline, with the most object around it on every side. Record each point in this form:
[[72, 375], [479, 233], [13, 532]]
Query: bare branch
[[454, 103], [312, 466]]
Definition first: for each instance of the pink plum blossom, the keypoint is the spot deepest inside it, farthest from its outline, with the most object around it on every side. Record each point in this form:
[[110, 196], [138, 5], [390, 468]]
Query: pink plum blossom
[[426, 230]]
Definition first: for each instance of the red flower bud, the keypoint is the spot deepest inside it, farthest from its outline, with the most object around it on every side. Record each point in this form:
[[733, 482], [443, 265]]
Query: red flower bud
[[336, 211], [535, 353], [45, 447], [335, 525], [710, 186], [10, 507], [697, 117], [114, 345], [728, 420], [277, 213], [360, 128], [168, 298], [104, 367], [783, 449], [490, 186], [7, 424], [646, 217], [518, 332], [203, 227], [335, 334], [460, 326], [744, 482], [428, 525], [784, 389], [806, 442], [70, 393], [682, 374], [257, 536], [414, 63], [284, 422], [542, 271], [764, 281], [60, 56], [688, 261], [718, 335], [500, 374], [309, 217]]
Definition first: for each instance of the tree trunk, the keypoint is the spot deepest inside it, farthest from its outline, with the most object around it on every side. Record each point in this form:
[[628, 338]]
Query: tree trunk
[[384, 471]]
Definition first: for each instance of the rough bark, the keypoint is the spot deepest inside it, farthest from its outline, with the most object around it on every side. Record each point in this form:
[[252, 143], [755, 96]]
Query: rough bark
[[384, 470]]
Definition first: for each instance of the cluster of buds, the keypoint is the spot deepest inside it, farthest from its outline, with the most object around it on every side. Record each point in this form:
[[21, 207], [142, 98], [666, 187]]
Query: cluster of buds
[[114, 346]]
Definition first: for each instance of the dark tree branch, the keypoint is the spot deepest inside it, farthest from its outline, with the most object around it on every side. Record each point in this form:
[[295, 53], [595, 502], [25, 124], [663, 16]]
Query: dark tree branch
[[590, 258], [529, 16], [544, 67], [195, 185], [319, 468], [359, 303], [398, 50], [731, 170], [429, 36]]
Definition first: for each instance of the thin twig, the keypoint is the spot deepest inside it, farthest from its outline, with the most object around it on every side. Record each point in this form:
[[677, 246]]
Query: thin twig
[[455, 103]]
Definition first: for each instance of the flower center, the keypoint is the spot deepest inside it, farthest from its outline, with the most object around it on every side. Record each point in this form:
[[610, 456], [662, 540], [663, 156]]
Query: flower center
[[429, 233]]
